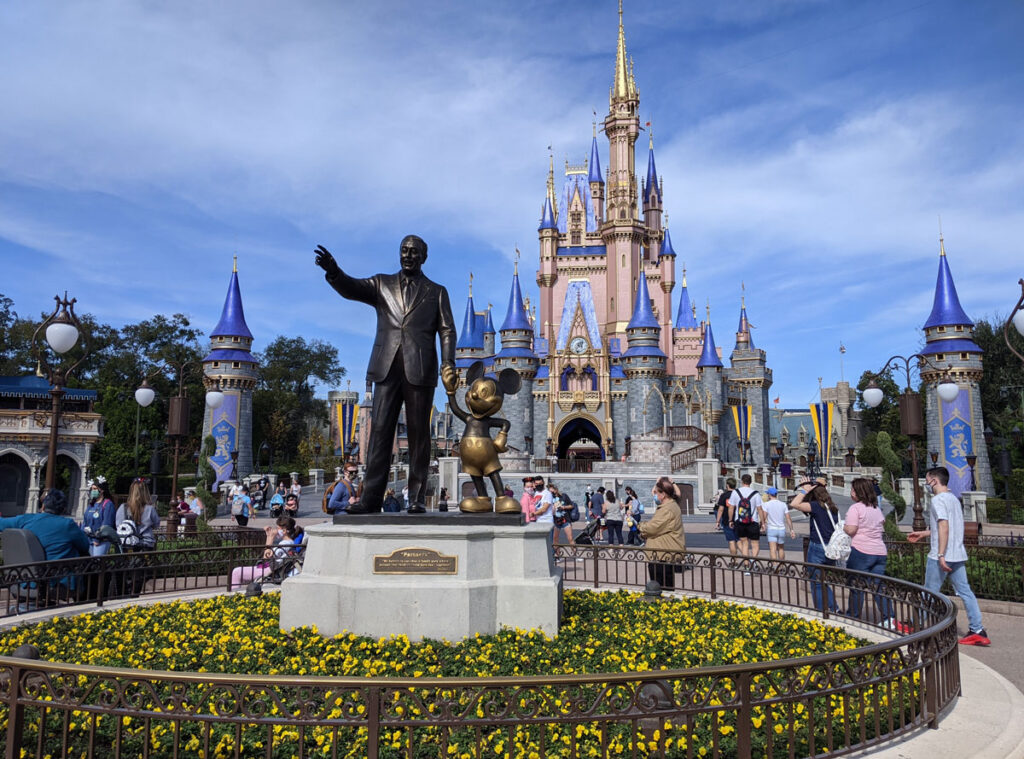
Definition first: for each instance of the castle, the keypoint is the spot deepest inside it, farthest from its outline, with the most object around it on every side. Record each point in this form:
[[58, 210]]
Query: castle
[[605, 366]]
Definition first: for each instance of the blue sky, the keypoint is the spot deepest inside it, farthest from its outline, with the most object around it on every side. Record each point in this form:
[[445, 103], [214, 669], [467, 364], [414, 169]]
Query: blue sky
[[808, 148]]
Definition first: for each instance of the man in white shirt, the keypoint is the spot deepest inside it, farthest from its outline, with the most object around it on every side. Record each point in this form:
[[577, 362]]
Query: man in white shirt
[[545, 509], [745, 518], [947, 556]]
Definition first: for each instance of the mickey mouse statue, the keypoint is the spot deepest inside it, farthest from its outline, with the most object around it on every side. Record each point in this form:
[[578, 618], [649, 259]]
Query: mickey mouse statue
[[478, 452]]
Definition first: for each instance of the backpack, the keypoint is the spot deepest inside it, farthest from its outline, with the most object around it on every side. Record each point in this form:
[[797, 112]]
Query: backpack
[[128, 532], [744, 512], [327, 496], [574, 514], [237, 508], [839, 545]]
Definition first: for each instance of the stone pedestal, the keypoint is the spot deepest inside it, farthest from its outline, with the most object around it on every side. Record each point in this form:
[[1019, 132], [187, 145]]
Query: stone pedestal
[[316, 478], [425, 576]]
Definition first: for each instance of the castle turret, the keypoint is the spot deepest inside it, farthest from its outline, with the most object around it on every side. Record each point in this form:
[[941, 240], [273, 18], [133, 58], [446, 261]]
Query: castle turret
[[644, 362], [750, 378], [517, 353], [652, 202], [231, 368], [488, 332], [470, 345], [956, 428], [596, 180], [709, 382]]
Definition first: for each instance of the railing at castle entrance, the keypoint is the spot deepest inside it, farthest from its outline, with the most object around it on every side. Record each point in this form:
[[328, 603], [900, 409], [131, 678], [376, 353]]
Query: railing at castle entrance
[[832, 704]]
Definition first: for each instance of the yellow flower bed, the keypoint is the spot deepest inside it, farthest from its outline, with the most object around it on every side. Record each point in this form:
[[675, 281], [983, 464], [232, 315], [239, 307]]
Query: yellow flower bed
[[601, 633]]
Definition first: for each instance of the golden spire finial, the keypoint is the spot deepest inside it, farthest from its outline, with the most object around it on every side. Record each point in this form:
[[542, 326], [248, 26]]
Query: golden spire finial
[[743, 294], [595, 123], [551, 182], [621, 86], [942, 244], [515, 269], [709, 310], [693, 307], [650, 135], [235, 266], [471, 284], [684, 273]]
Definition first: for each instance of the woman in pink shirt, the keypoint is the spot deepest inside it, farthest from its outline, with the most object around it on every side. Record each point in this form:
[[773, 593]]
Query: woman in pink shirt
[[528, 500], [864, 525]]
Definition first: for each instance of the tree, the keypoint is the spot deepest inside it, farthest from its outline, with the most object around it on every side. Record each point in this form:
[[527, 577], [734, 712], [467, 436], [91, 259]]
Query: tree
[[1002, 392], [283, 404], [883, 418]]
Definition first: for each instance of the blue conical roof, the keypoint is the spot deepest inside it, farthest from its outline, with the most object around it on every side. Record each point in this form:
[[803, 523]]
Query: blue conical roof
[[515, 317], [946, 310], [666, 246], [684, 316], [595, 163], [652, 176], [643, 316], [470, 336], [488, 324], [547, 219], [232, 318], [709, 355]]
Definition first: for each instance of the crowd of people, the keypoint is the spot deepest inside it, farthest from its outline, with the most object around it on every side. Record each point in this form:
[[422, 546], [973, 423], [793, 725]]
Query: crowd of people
[[742, 514]]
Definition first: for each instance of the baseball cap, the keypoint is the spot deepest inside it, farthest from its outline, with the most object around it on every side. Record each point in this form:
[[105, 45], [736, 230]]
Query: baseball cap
[[772, 491]]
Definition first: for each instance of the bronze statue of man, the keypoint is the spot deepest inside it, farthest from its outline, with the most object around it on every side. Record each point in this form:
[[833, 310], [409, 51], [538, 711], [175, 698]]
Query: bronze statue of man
[[412, 311]]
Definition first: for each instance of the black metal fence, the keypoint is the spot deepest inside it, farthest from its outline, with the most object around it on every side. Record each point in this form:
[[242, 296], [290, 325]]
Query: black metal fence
[[826, 705]]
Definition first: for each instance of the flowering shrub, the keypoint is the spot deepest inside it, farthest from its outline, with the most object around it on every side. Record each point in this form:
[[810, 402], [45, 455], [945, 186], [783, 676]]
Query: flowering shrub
[[601, 633]]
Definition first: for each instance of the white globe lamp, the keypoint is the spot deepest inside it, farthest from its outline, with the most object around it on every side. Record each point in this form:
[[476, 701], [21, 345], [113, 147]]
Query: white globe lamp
[[214, 398], [873, 395], [61, 336], [144, 395], [948, 391]]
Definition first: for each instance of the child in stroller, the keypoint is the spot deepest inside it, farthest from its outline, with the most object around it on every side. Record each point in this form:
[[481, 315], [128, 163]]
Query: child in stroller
[[277, 504], [586, 538], [291, 505]]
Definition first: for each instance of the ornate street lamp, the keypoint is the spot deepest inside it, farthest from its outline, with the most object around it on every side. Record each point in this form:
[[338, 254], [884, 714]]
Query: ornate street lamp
[[316, 454], [61, 329], [264, 453], [851, 459], [178, 410], [812, 454], [234, 465], [911, 415], [971, 461], [1017, 318]]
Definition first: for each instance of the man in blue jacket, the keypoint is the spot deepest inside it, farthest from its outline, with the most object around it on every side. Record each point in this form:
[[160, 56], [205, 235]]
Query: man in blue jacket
[[60, 537]]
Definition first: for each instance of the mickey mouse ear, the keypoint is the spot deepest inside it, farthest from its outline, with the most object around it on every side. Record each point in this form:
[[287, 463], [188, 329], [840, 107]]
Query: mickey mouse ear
[[509, 381], [475, 372]]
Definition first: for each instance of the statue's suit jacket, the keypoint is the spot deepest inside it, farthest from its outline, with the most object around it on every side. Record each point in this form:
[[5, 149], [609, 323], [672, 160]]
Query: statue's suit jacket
[[410, 326]]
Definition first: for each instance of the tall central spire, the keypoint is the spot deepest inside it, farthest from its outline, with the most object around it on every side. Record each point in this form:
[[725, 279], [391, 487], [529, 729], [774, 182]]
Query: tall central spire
[[623, 88]]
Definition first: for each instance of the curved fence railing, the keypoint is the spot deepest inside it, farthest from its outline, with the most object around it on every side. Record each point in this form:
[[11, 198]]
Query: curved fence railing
[[825, 705]]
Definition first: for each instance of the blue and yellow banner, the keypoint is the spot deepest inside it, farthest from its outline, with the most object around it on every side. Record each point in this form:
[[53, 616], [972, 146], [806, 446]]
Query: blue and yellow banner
[[957, 422], [821, 415], [741, 416], [348, 416]]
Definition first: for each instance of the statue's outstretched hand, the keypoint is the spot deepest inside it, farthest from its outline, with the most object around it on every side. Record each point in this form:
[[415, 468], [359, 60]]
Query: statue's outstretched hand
[[449, 378], [325, 260]]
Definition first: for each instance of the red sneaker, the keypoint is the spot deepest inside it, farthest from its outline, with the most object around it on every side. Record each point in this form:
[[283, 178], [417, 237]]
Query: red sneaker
[[903, 628], [976, 639]]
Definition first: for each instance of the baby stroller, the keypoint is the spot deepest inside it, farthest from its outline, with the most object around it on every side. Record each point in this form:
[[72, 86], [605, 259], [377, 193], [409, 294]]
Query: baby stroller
[[276, 505], [586, 538]]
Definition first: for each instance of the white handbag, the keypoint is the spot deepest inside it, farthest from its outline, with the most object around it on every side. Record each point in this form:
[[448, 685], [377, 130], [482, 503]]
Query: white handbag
[[839, 545]]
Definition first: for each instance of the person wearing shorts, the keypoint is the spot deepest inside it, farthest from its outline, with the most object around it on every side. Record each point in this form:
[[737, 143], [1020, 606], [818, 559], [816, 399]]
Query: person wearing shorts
[[777, 524], [725, 515], [747, 532]]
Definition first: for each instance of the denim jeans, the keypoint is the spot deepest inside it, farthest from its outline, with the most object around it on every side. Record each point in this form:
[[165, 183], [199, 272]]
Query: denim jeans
[[816, 555], [614, 531], [933, 577], [874, 564]]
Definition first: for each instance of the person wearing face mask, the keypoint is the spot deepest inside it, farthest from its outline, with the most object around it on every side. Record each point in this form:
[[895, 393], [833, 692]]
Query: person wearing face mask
[[664, 535], [528, 500], [283, 540], [948, 557], [100, 511]]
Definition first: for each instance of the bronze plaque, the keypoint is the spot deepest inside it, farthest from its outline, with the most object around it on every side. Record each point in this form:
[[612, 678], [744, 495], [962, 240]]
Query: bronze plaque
[[415, 561]]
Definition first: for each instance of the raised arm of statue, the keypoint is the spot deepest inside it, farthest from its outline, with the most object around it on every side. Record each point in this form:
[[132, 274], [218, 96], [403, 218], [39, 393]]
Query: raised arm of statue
[[363, 290]]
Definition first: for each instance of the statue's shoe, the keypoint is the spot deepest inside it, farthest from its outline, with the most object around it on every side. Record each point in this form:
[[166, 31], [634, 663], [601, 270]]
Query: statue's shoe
[[475, 505], [362, 508], [507, 505], [417, 508]]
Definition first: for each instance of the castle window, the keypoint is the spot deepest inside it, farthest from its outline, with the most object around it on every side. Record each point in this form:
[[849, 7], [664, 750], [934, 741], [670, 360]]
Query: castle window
[[963, 356], [622, 213], [623, 260], [612, 309], [235, 365], [576, 218], [959, 327], [234, 339], [216, 364], [575, 238], [940, 357], [941, 329]]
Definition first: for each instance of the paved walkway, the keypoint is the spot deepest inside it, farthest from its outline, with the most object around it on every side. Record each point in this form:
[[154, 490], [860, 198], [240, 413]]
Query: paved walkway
[[984, 723]]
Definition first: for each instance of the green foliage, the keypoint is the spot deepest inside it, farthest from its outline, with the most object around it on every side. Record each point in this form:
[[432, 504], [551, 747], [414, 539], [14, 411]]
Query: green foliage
[[876, 450]]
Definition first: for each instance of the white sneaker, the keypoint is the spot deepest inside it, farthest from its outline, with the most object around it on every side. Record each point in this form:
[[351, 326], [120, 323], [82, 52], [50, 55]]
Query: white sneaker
[[890, 624]]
